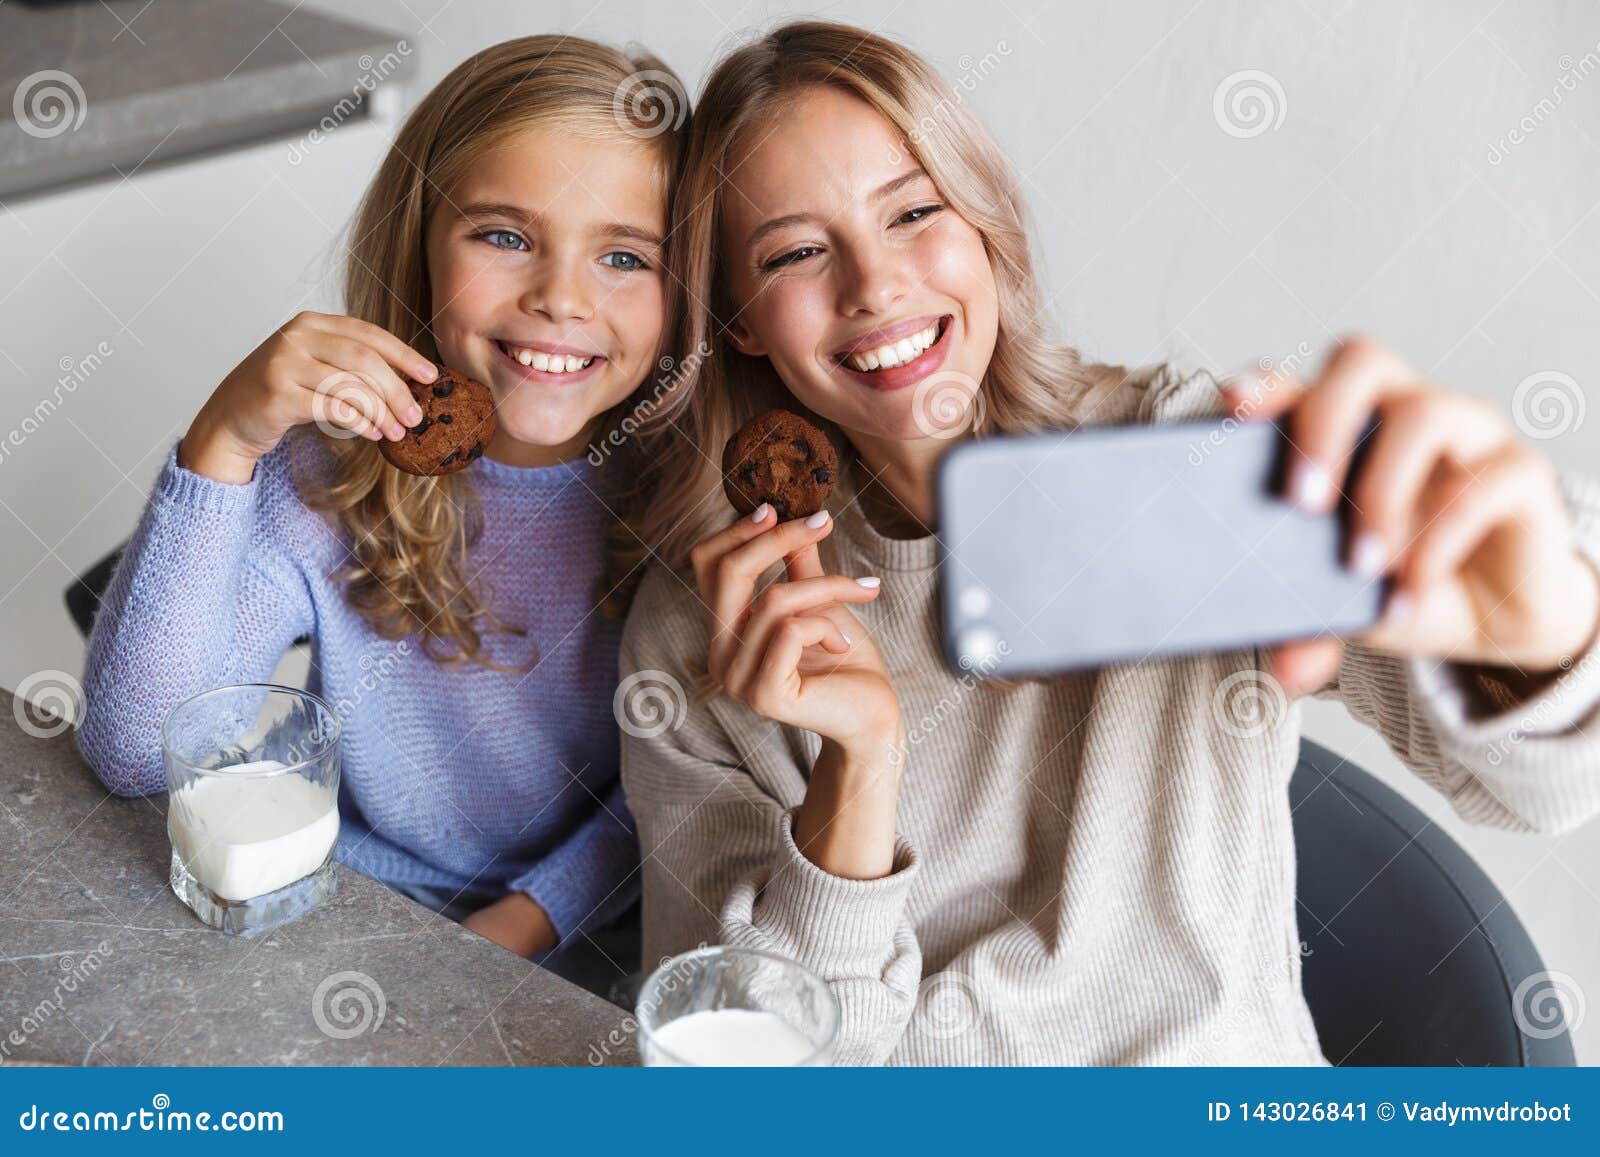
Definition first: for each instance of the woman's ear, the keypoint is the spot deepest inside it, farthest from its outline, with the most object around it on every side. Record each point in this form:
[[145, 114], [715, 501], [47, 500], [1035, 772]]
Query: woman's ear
[[744, 341]]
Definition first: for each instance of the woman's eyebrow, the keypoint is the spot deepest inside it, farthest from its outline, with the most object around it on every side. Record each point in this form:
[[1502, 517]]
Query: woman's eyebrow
[[887, 189]]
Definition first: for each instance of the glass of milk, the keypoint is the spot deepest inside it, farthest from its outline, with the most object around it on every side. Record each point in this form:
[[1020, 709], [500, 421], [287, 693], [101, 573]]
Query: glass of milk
[[736, 1007], [253, 804]]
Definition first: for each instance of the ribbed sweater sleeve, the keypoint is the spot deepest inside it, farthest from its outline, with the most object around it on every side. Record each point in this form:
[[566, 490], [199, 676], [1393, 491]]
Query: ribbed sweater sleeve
[[201, 597], [716, 831], [1531, 767]]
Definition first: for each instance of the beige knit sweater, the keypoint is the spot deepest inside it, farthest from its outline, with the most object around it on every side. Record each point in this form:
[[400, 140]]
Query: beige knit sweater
[[1094, 869]]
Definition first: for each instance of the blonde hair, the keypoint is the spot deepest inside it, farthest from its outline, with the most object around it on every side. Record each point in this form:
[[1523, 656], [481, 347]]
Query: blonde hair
[[1032, 382], [409, 537]]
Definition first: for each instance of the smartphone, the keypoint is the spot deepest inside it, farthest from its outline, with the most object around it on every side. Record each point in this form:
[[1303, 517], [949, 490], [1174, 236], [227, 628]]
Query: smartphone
[[1112, 544]]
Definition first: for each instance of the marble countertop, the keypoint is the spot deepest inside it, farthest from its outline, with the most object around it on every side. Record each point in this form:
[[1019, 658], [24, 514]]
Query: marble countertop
[[100, 964], [99, 89]]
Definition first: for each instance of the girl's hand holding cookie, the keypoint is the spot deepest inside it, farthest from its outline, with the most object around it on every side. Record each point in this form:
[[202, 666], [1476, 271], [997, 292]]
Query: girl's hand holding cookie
[[1467, 519], [795, 653], [340, 372]]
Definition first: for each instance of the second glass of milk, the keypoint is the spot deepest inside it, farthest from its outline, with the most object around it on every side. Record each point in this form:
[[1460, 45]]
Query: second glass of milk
[[736, 1007], [253, 804]]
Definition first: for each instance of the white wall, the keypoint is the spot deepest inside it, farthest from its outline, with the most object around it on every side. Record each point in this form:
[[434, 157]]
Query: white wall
[[1375, 205]]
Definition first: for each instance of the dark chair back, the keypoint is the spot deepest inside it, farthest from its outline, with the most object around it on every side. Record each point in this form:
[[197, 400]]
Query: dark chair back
[[1415, 957]]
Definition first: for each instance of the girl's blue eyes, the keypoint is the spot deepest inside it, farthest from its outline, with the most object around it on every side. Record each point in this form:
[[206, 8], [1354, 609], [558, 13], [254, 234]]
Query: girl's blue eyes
[[909, 217], [636, 261], [512, 242], [490, 236]]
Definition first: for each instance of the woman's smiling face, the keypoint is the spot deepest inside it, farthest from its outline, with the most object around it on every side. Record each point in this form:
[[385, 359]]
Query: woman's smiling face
[[847, 269], [545, 268]]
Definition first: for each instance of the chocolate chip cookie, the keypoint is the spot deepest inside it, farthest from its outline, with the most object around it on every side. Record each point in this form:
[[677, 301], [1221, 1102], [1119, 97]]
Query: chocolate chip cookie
[[457, 422], [781, 458]]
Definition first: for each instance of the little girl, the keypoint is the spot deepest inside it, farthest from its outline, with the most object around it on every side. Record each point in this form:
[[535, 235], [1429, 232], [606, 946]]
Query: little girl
[[514, 233], [1096, 868]]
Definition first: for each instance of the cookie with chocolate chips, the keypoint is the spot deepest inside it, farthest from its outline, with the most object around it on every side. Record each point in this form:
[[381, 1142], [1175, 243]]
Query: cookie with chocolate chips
[[457, 422], [781, 458]]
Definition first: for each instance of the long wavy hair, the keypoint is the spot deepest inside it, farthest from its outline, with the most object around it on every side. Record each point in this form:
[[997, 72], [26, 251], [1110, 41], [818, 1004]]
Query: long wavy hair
[[409, 537], [1032, 382]]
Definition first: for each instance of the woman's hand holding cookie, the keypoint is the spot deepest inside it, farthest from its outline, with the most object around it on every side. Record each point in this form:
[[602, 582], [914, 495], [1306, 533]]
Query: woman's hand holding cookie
[[794, 653], [340, 372]]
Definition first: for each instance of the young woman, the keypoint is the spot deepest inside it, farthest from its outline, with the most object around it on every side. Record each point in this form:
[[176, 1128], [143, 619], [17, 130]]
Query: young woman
[[515, 233], [1090, 869]]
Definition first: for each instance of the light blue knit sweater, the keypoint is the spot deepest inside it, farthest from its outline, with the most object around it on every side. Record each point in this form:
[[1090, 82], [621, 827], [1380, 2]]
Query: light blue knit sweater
[[453, 776]]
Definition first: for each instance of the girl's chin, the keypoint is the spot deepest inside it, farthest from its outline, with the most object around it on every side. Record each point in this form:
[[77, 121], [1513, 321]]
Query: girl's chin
[[550, 430]]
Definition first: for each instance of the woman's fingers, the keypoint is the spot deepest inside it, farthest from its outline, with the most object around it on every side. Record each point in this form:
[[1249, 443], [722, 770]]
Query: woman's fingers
[[1465, 504], [730, 578], [1261, 394], [777, 682], [782, 601], [1305, 664], [1419, 428], [1326, 425], [706, 553]]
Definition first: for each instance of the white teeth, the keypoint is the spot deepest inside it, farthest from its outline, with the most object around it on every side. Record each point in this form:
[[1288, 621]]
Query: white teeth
[[548, 363], [896, 353]]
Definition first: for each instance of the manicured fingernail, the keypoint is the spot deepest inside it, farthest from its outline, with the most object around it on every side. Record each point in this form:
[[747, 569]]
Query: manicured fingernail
[[1368, 555], [820, 518], [871, 582], [761, 512], [1313, 486], [1399, 609]]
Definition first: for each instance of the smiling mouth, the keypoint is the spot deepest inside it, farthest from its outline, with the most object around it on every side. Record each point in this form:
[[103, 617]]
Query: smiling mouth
[[896, 353], [547, 363]]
